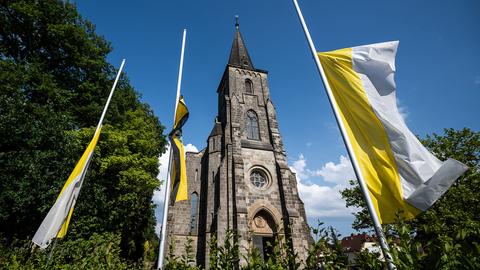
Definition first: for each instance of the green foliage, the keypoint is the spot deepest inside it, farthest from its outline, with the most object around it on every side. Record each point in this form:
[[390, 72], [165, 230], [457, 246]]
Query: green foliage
[[225, 256], [254, 259], [366, 260], [326, 250], [213, 254], [54, 81], [447, 235], [450, 229], [188, 258], [282, 256], [184, 262], [407, 252], [100, 251], [291, 256]]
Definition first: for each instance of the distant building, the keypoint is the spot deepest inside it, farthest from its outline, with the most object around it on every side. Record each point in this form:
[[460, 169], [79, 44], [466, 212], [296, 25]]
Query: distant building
[[241, 180], [355, 243]]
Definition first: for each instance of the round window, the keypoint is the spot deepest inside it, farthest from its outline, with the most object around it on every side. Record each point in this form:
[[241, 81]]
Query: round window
[[258, 179]]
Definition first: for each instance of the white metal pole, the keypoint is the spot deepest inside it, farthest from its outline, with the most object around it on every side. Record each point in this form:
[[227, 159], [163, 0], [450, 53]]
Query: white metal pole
[[163, 232], [96, 130], [348, 144], [110, 96]]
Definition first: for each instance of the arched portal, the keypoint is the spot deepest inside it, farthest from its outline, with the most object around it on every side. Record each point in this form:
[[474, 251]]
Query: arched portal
[[264, 230]]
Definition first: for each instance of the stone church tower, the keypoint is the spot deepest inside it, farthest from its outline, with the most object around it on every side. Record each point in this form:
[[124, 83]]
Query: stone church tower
[[241, 181]]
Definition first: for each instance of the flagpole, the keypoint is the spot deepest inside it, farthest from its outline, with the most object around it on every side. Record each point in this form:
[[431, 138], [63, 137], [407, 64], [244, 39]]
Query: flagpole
[[99, 125], [348, 144], [85, 169], [163, 231]]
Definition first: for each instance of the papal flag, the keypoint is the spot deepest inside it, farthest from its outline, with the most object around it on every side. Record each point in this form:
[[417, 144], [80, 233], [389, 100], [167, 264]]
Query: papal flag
[[178, 170], [401, 174], [56, 222]]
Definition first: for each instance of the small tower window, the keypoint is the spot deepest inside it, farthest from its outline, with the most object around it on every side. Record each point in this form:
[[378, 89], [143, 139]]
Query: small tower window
[[193, 212], [253, 132], [248, 86]]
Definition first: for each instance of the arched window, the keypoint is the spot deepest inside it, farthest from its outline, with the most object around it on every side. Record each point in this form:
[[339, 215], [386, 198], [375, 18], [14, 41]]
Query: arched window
[[248, 86], [193, 212], [253, 132]]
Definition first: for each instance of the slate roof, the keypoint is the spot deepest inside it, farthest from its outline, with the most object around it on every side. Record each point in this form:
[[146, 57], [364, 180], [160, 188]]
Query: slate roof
[[239, 56], [217, 130], [354, 242]]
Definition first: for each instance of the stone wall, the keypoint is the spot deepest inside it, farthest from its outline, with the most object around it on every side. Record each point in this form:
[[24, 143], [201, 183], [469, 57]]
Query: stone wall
[[220, 174]]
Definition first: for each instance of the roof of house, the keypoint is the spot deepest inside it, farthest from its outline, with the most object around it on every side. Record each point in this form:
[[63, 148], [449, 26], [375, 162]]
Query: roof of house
[[354, 242]]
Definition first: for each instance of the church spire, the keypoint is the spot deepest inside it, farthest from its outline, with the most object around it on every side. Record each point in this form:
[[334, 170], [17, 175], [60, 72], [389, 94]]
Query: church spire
[[239, 55]]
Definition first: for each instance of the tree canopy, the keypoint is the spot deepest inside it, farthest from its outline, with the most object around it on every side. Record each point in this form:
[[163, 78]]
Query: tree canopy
[[54, 81]]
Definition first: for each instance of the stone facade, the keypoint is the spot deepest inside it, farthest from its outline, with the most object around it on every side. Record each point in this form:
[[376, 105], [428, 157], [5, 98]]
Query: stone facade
[[222, 193]]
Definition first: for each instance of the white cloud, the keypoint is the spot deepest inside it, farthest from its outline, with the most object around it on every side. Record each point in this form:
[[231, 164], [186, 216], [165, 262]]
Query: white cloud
[[309, 144], [336, 173], [323, 200], [162, 176], [158, 196], [299, 166], [158, 226], [191, 148]]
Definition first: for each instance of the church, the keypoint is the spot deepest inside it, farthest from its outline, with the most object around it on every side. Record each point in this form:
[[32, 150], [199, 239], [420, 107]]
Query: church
[[241, 180]]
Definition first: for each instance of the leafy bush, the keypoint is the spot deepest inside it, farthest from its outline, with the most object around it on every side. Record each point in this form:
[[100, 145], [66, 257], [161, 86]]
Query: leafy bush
[[326, 251], [100, 251]]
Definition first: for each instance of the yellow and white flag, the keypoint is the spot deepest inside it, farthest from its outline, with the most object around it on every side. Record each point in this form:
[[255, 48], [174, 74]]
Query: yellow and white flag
[[401, 174], [178, 171], [56, 222]]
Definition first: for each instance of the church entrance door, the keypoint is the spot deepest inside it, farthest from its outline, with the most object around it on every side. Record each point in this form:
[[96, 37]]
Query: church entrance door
[[264, 245], [268, 243], [264, 229]]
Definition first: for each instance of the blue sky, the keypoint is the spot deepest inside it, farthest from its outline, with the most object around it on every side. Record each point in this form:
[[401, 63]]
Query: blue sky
[[438, 71]]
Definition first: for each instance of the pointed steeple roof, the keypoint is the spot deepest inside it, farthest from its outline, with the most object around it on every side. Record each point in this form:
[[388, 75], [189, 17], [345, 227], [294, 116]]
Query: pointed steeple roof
[[239, 55]]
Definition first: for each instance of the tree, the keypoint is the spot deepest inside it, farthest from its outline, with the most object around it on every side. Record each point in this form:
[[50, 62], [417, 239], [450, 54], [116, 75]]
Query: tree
[[449, 231], [54, 81], [451, 226]]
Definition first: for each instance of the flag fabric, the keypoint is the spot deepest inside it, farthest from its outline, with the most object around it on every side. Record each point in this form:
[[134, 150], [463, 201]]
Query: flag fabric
[[56, 222], [401, 174], [178, 170]]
